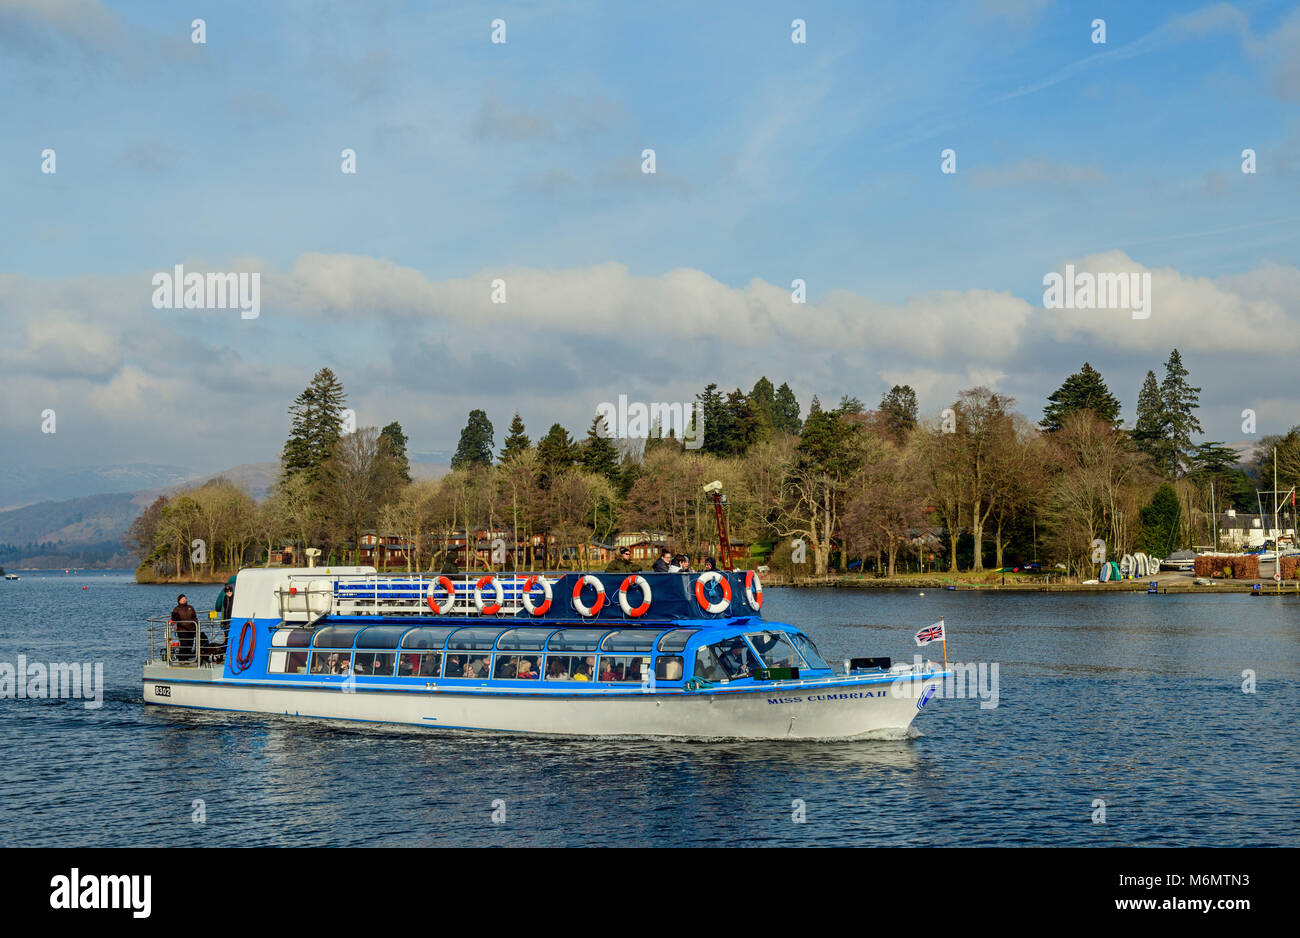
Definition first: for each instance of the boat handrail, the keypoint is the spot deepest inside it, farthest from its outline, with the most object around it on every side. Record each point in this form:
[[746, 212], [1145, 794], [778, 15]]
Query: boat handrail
[[167, 651]]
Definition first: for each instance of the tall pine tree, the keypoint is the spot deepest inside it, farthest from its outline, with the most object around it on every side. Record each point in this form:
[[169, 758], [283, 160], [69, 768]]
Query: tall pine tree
[[475, 447], [900, 409], [1149, 428], [393, 443], [517, 441], [1083, 390], [785, 411], [1179, 401], [598, 453], [316, 417]]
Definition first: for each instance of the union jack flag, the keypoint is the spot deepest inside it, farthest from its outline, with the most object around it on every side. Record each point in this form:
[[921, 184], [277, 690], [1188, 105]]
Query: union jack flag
[[931, 633]]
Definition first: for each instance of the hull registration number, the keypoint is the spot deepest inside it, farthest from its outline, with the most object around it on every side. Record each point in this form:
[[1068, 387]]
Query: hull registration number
[[162, 690]]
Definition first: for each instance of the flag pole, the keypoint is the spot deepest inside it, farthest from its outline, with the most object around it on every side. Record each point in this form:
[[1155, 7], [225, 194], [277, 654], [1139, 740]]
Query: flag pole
[[945, 643]]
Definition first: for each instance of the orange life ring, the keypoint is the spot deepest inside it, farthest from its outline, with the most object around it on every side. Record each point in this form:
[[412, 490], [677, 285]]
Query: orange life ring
[[713, 576], [488, 609], [579, 605], [635, 579], [527, 599], [753, 590], [446, 584]]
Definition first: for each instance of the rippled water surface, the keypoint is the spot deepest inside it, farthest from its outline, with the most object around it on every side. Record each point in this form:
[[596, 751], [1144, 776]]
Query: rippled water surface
[[1133, 699]]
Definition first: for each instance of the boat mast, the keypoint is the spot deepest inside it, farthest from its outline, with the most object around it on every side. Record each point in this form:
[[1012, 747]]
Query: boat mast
[[715, 489]]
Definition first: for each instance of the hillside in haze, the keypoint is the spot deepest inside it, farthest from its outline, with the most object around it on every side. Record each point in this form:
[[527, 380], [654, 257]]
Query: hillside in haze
[[87, 530]]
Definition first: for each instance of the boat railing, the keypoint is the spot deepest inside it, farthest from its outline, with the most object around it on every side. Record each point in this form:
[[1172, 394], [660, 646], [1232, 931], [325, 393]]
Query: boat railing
[[166, 646], [305, 599]]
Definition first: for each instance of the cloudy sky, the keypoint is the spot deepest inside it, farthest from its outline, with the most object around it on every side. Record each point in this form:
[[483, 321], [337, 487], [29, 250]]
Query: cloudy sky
[[522, 161]]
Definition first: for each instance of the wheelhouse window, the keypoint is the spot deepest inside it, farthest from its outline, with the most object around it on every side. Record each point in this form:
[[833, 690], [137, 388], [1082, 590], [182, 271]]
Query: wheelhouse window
[[623, 669], [288, 661], [808, 650], [707, 665], [774, 650], [733, 657]]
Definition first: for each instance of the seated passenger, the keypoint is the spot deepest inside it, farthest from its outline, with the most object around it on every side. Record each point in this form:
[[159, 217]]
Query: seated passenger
[[611, 672], [682, 563], [555, 669], [340, 664], [507, 667], [455, 666], [581, 674], [525, 671], [710, 564], [736, 659], [429, 667], [664, 563]]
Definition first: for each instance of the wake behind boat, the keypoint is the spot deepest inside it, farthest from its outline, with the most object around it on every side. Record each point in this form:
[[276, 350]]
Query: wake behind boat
[[671, 654]]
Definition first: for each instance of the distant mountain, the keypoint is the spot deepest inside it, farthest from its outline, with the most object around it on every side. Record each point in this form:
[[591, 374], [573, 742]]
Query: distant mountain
[[26, 485], [87, 531]]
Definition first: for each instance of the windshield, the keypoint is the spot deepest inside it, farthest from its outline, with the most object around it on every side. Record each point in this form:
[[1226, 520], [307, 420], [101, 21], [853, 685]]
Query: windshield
[[808, 650], [775, 650]]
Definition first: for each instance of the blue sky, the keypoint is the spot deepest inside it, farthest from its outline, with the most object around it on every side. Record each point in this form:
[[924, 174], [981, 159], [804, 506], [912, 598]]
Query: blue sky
[[775, 161]]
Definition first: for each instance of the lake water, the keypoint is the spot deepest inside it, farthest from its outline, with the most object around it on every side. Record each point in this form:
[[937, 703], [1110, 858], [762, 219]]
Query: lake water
[[1133, 699]]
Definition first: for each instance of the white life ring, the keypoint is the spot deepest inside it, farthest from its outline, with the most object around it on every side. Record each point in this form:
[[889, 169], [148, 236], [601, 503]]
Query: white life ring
[[447, 585], [713, 576], [635, 579], [527, 599], [753, 590], [579, 605], [488, 609]]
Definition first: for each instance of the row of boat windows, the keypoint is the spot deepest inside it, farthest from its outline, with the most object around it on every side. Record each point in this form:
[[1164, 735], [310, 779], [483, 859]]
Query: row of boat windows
[[729, 659], [454, 638], [618, 669]]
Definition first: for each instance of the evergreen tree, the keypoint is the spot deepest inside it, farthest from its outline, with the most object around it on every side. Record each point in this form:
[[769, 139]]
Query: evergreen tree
[[717, 421], [849, 405], [785, 411], [316, 417], [598, 453], [1083, 390], [1179, 401], [1218, 464], [517, 441], [742, 424], [1160, 522], [475, 447], [762, 400], [393, 442], [556, 453], [1149, 428], [900, 410]]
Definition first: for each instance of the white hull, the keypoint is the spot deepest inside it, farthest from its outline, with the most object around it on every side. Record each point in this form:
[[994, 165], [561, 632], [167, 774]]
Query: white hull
[[837, 708]]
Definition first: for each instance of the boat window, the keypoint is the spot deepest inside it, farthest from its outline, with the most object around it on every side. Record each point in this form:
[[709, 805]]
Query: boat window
[[427, 637], [707, 666], [336, 636], [469, 666], [735, 657], [379, 663], [518, 667], [674, 642], [623, 670], [533, 639], [808, 650], [415, 665], [381, 636], [330, 662], [668, 668], [474, 639], [630, 640], [291, 638], [577, 639], [775, 650], [571, 667]]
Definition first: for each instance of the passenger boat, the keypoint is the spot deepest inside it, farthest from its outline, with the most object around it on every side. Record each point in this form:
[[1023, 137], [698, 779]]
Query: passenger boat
[[675, 654]]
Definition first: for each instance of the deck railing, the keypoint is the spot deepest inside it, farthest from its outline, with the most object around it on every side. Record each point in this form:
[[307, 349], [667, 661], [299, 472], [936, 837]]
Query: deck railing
[[308, 598], [166, 646]]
